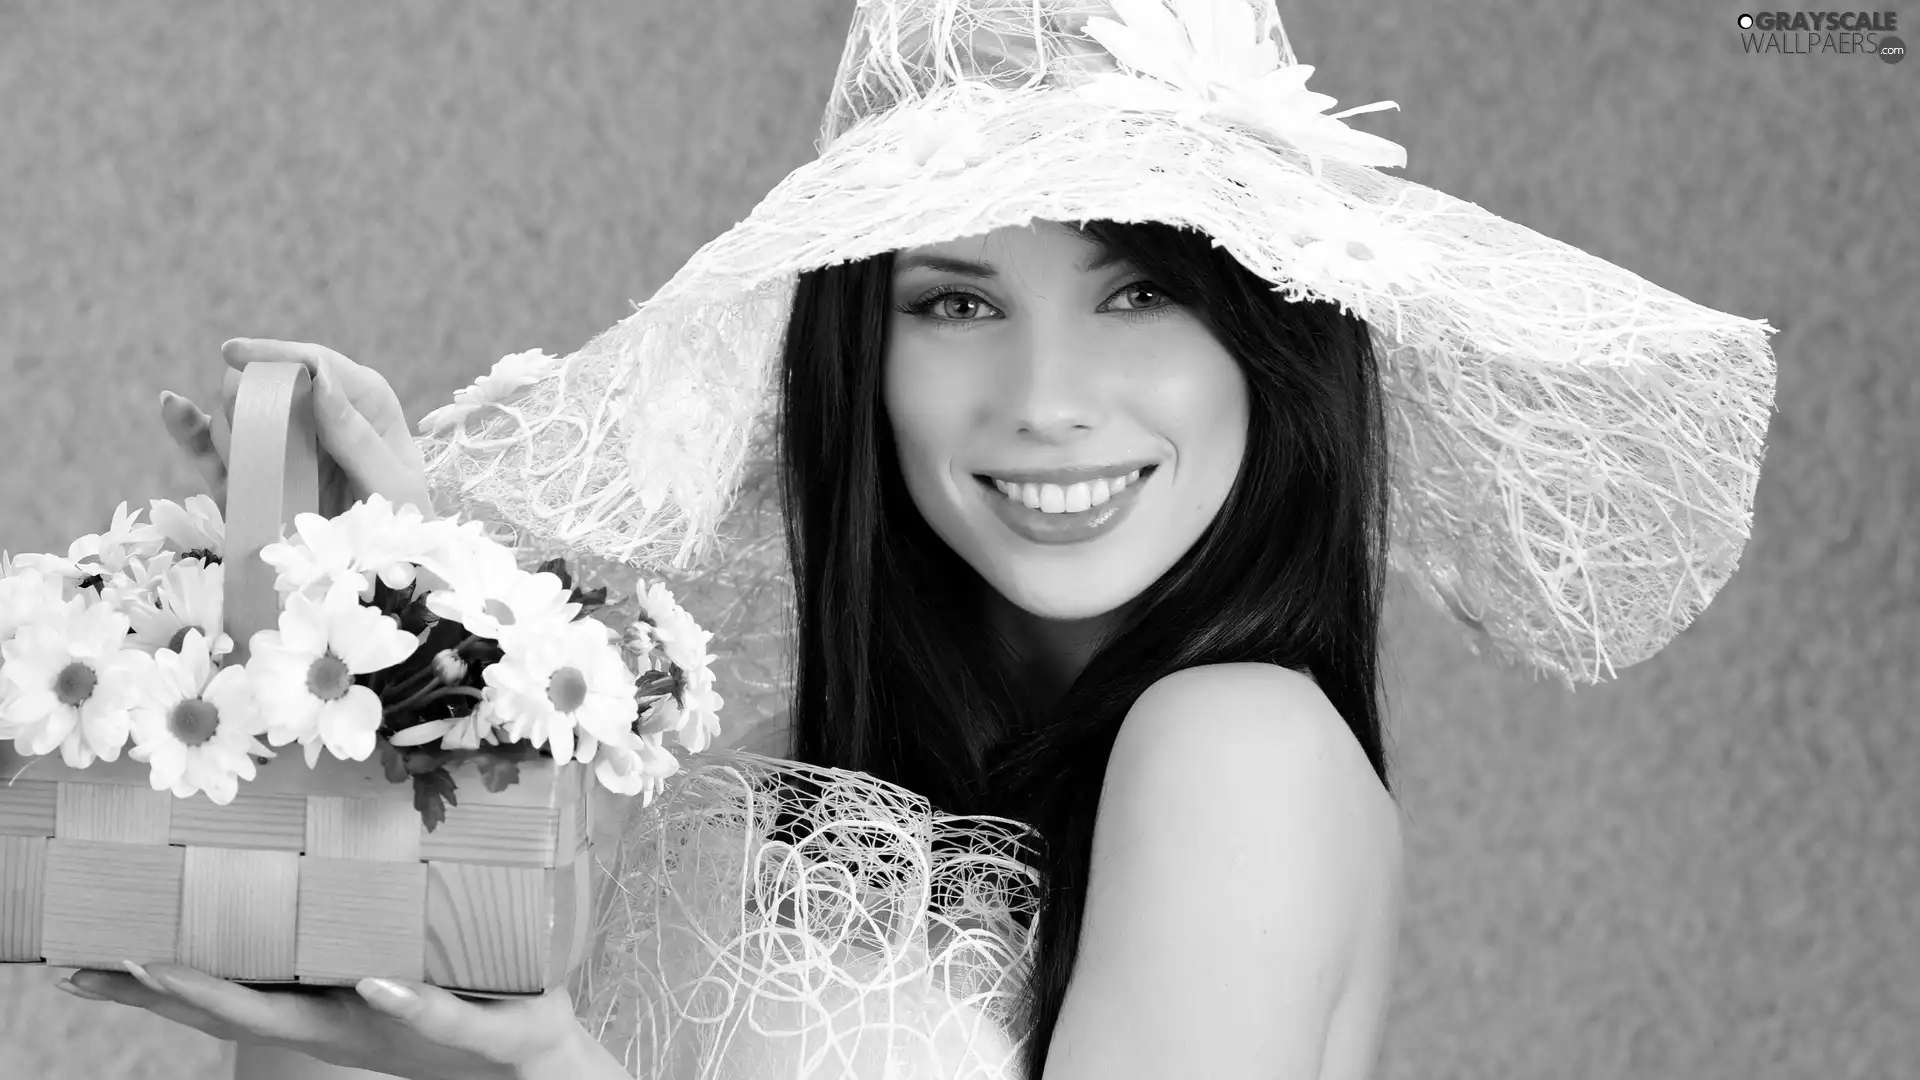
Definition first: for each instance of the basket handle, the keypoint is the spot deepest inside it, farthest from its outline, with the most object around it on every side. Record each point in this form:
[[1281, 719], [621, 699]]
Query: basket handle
[[273, 474]]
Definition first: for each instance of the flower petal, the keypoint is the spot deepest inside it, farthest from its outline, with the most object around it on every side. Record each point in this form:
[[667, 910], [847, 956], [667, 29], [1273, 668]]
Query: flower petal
[[421, 733]]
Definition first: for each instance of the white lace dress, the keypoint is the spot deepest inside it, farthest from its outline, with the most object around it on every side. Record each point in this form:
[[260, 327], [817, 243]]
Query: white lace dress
[[765, 920]]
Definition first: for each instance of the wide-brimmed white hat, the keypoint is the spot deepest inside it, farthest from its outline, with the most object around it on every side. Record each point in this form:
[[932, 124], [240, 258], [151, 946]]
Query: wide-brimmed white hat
[[1575, 450]]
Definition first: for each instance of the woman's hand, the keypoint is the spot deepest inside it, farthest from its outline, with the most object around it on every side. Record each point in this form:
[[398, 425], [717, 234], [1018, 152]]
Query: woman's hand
[[368, 443], [403, 1029]]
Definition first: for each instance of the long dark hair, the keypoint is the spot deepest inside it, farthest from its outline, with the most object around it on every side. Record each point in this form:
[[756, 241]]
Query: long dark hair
[[897, 670]]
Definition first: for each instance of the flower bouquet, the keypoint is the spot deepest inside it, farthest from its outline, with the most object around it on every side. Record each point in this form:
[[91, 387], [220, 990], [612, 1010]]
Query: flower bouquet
[[360, 746]]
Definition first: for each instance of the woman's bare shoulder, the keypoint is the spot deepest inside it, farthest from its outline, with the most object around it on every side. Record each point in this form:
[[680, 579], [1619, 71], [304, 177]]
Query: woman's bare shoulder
[[1247, 742], [1246, 853], [1264, 716]]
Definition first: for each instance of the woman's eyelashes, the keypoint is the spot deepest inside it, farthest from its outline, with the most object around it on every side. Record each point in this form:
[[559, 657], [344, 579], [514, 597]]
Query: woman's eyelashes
[[932, 304], [928, 302]]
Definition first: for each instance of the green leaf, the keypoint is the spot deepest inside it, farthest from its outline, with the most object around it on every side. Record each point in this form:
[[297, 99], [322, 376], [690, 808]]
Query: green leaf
[[392, 763], [423, 761], [498, 771], [415, 617], [655, 684], [558, 568], [433, 792]]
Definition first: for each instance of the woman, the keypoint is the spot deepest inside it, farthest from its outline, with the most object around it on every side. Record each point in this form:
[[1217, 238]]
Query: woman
[[1087, 520]]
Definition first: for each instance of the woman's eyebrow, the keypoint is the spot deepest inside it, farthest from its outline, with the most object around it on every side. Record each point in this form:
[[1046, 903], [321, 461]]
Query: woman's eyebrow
[[1101, 259], [946, 265]]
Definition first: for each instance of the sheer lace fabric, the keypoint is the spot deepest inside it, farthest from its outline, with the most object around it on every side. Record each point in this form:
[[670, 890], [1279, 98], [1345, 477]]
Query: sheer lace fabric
[[769, 920]]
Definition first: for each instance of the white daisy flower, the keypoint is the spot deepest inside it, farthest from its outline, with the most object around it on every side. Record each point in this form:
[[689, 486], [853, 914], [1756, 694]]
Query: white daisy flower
[[489, 594], [137, 583], [374, 538], [639, 767], [188, 596], [1348, 247], [943, 140], [681, 412], [1196, 58], [560, 677], [673, 629], [509, 376], [27, 595], [103, 554], [72, 683], [691, 713], [197, 725], [303, 673], [196, 526]]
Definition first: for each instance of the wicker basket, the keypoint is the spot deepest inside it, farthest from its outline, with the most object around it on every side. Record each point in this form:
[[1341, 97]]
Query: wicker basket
[[320, 875]]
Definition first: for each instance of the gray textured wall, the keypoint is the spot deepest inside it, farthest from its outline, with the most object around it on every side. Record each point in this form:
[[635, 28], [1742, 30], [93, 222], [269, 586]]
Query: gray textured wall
[[1707, 869]]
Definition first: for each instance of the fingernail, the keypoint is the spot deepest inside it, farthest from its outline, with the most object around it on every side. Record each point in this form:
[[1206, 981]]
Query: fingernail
[[67, 986], [146, 980], [387, 994]]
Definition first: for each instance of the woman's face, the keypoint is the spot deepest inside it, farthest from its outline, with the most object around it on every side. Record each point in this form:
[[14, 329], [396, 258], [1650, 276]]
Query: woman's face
[[1064, 426]]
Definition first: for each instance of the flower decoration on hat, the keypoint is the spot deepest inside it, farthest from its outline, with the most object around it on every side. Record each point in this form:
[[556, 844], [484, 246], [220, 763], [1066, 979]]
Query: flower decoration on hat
[[1206, 58], [502, 384], [1337, 245]]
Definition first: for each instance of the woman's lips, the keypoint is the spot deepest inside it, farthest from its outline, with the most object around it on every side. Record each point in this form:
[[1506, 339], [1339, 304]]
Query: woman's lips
[[1040, 527]]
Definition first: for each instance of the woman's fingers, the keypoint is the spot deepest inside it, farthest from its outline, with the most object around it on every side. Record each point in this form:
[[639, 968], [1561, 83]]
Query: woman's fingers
[[292, 1019], [431, 1011], [194, 431], [223, 428], [126, 990], [357, 448], [360, 416], [442, 1018], [364, 387]]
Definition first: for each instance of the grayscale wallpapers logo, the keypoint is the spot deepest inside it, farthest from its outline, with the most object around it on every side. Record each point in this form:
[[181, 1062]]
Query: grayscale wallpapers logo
[[1806, 32]]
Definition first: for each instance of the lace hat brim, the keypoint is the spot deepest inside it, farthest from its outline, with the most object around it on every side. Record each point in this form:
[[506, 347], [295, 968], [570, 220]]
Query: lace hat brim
[[1575, 450]]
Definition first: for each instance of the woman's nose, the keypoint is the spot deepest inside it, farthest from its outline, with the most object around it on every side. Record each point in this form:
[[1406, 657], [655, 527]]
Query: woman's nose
[[1051, 391]]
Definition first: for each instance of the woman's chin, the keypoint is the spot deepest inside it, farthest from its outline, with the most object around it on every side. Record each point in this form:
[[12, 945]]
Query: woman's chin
[[1059, 599]]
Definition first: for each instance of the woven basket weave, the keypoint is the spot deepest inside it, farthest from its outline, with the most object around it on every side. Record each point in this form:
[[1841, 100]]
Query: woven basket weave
[[320, 875]]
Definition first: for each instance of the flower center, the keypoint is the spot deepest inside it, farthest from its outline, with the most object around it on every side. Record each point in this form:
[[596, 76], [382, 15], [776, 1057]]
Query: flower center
[[498, 612], [328, 679], [567, 689], [179, 639], [193, 721], [74, 685]]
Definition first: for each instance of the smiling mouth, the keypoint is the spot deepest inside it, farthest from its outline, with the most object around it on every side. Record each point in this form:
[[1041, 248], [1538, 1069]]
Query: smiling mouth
[[1065, 499]]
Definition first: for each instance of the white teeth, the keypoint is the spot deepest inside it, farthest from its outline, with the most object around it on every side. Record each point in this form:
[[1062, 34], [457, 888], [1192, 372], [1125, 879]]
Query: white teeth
[[1066, 499]]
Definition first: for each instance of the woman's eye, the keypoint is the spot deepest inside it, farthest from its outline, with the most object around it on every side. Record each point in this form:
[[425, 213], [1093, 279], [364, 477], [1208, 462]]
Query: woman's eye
[[960, 307], [1133, 293]]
